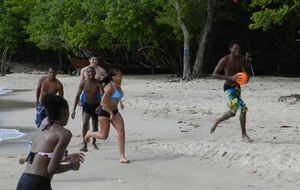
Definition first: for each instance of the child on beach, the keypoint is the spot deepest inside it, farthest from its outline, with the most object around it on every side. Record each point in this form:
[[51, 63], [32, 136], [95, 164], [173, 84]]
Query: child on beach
[[100, 74], [91, 91], [48, 147], [232, 64], [46, 84], [108, 112]]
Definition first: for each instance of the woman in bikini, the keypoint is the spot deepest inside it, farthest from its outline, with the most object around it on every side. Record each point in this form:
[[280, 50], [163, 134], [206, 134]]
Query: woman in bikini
[[48, 147], [108, 111]]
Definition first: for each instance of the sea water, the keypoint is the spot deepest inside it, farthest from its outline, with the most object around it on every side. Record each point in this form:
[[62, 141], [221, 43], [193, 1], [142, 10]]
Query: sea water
[[6, 134], [4, 90]]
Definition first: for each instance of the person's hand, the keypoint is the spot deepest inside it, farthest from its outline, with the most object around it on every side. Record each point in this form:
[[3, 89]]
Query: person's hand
[[75, 157], [235, 77], [73, 115], [75, 165]]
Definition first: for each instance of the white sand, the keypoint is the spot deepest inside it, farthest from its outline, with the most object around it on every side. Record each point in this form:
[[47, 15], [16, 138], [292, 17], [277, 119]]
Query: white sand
[[168, 140]]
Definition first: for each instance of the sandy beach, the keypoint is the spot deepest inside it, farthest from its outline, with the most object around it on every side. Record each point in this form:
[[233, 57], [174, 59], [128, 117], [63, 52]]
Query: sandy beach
[[167, 125]]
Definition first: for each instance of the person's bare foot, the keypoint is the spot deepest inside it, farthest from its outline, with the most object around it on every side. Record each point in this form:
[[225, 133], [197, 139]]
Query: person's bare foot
[[87, 137], [247, 139], [212, 130], [124, 161], [95, 146], [84, 149]]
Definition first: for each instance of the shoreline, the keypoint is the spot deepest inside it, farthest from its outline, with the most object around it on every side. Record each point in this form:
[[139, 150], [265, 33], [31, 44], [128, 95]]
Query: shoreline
[[13, 107]]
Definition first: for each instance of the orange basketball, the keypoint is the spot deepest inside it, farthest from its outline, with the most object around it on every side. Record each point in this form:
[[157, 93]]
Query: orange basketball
[[242, 78]]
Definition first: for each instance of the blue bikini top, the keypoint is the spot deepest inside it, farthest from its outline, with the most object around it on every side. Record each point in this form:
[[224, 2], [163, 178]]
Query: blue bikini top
[[117, 96]]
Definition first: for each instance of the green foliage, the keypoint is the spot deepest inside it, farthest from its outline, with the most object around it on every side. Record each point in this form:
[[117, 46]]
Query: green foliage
[[84, 29], [13, 18], [132, 21], [67, 24], [44, 22], [95, 24], [9, 35], [192, 13], [261, 3], [272, 12], [168, 16]]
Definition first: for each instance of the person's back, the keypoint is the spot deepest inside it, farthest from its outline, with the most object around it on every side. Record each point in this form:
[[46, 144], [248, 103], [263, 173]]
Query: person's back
[[44, 141], [48, 147]]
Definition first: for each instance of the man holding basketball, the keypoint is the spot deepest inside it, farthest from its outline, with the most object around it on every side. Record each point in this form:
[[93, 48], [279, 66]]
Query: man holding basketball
[[231, 65]]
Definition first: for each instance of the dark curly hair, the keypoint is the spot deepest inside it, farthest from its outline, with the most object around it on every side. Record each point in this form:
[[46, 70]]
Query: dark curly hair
[[54, 106]]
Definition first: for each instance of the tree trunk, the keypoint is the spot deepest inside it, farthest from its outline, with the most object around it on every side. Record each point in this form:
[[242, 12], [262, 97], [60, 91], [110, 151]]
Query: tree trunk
[[186, 45], [5, 61], [186, 54], [199, 61]]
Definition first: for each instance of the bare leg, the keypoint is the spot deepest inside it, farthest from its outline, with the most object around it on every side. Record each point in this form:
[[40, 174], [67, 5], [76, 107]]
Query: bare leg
[[245, 137], [104, 123], [224, 117], [118, 124], [95, 129], [85, 128]]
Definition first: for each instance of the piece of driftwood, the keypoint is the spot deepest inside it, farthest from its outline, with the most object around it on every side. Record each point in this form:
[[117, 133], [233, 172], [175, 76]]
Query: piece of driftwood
[[293, 98]]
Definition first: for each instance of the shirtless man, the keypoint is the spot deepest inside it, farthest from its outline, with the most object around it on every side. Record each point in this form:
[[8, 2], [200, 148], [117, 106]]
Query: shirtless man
[[91, 91], [100, 72], [46, 84], [232, 64]]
